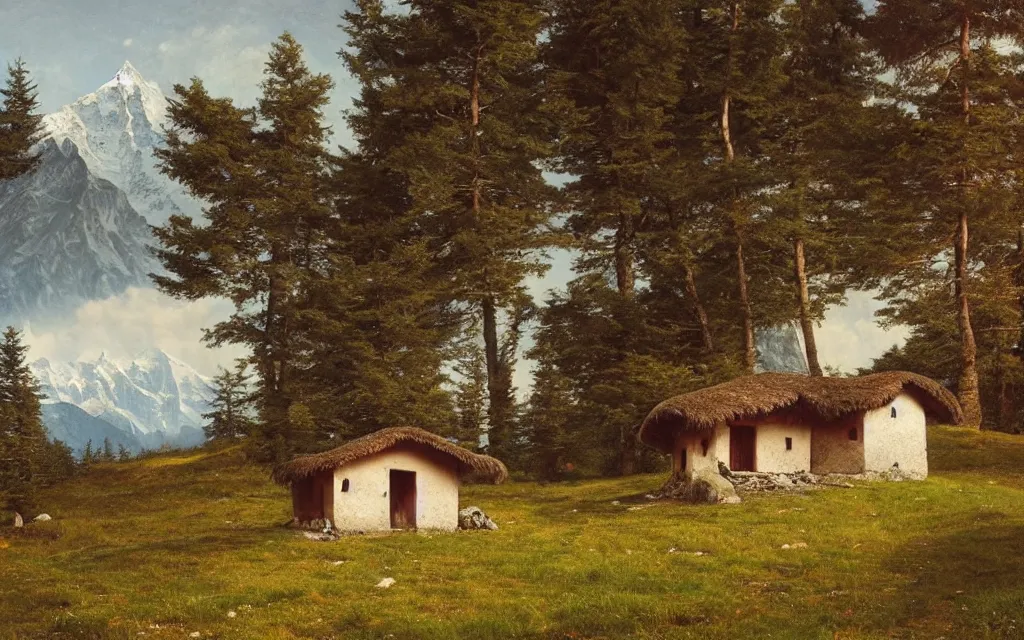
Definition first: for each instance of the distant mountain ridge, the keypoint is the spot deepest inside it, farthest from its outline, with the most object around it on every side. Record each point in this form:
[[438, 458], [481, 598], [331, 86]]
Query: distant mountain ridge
[[67, 237], [152, 399]]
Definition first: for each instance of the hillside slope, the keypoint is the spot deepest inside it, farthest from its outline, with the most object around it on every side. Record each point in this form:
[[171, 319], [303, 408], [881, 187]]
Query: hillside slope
[[170, 545]]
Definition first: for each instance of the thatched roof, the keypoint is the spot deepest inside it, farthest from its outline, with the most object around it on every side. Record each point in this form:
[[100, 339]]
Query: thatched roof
[[468, 462], [823, 398]]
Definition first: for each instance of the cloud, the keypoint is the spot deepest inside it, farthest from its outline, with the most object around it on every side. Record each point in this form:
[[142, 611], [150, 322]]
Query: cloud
[[127, 43], [850, 337], [228, 58], [139, 319]]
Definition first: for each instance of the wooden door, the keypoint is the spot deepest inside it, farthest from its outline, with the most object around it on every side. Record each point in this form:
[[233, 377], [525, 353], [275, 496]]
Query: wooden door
[[742, 441], [403, 499]]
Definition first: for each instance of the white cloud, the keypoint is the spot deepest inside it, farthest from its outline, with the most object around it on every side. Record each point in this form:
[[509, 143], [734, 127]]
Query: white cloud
[[127, 43], [139, 319], [851, 337], [228, 58]]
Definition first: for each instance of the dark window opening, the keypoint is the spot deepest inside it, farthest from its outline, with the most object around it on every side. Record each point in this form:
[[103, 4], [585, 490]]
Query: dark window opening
[[704, 447], [853, 434], [344, 485], [789, 444], [893, 412]]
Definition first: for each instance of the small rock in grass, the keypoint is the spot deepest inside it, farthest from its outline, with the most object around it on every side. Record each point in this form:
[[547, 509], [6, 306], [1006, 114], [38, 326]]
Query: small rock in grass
[[699, 553], [785, 546], [385, 583], [232, 614], [18, 520], [616, 502], [338, 563], [195, 634], [42, 517], [474, 518], [795, 545], [673, 550]]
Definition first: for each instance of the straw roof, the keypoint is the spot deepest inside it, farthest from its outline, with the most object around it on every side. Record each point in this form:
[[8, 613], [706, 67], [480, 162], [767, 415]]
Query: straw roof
[[821, 398], [468, 462]]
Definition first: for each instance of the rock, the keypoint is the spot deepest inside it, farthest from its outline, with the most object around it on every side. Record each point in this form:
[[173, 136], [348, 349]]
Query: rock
[[386, 583], [723, 470], [704, 486], [320, 537], [195, 634], [232, 614], [18, 520], [42, 517], [472, 518], [795, 545]]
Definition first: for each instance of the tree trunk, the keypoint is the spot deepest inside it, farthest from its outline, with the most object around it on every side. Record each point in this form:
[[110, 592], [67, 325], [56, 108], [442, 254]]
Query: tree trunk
[[749, 351], [625, 272], [1019, 282], [804, 300], [967, 387], [707, 341], [496, 435]]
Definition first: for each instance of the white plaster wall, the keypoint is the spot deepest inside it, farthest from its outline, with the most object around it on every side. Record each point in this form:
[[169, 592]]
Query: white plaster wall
[[771, 453], [722, 442], [696, 459], [902, 439], [366, 506]]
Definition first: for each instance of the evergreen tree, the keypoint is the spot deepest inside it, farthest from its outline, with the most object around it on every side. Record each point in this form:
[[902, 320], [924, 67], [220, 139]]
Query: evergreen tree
[[21, 429], [230, 418], [961, 161], [108, 451], [614, 82], [88, 455], [464, 79], [470, 395], [548, 418], [263, 172], [20, 126], [123, 454], [829, 76], [58, 463]]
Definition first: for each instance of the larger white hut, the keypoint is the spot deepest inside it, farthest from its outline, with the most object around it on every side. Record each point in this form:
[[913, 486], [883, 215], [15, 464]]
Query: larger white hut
[[783, 423]]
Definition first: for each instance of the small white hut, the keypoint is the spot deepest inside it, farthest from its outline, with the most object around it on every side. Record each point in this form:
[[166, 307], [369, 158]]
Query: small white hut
[[784, 423], [398, 478]]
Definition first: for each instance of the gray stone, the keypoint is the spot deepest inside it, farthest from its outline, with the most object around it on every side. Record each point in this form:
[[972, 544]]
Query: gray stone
[[474, 518], [42, 517], [18, 520], [704, 486]]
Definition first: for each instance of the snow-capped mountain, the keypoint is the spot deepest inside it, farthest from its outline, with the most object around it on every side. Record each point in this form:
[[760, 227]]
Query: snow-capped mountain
[[781, 348], [67, 237], [153, 397], [116, 128]]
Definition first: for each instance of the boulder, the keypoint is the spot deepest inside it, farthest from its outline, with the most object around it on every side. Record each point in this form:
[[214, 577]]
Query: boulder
[[475, 518], [705, 486], [42, 517], [18, 520]]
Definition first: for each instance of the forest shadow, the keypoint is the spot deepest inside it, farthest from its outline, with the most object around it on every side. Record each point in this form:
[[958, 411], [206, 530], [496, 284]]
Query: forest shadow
[[973, 577]]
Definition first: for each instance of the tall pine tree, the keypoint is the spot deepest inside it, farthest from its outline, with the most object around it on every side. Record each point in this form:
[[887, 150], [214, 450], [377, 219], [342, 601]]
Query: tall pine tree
[[949, 69], [263, 172], [20, 126], [23, 442]]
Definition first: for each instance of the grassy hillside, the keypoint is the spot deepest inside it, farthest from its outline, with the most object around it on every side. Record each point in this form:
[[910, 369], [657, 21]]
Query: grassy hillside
[[167, 547]]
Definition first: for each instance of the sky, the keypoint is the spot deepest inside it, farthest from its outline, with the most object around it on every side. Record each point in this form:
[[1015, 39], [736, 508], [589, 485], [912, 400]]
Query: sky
[[74, 46]]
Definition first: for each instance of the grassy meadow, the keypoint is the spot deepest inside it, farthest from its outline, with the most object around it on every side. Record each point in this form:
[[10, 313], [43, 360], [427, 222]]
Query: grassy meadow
[[191, 545]]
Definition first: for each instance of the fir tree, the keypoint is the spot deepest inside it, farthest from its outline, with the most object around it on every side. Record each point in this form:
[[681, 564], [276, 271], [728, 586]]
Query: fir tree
[[108, 451], [21, 430], [614, 80], [263, 172], [20, 126], [961, 161], [464, 79], [88, 455], [123, 454], [230, 418], [470, 395]]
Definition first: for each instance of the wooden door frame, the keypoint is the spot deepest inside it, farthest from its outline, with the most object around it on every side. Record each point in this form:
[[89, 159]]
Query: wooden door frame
[[410, 498], [733, 449]]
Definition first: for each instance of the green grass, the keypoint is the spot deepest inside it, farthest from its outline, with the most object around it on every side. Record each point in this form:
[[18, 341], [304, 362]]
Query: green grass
[[168, 546]]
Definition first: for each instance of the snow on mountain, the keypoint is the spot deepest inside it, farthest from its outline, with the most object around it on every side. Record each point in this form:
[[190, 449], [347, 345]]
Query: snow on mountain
[[116, 128], [781, 349], [153, 397], [67, 237]]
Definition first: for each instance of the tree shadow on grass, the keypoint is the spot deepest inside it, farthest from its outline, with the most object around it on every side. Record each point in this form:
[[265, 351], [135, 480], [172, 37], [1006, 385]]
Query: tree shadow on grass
[[971, 578]]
